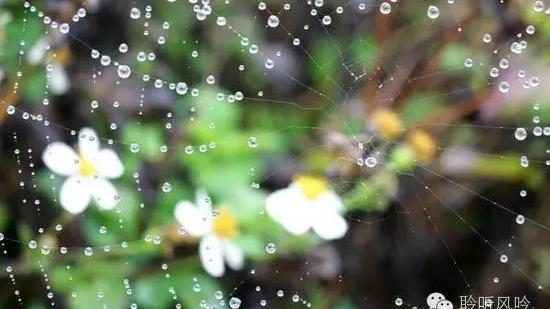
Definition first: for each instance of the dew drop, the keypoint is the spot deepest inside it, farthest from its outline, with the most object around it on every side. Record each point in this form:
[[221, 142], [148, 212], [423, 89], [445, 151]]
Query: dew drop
[[124, 71], [273, 21], [385, 8], [520, 134], [270, 248], [433, 12]]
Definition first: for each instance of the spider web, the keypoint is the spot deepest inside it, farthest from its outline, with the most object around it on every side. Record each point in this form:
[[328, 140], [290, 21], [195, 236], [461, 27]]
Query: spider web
[[386, 81]]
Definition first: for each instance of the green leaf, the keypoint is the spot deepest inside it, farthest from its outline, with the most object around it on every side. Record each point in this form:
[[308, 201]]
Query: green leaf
[[364, 51], [149, 138], [419, 107], [95, 282], [152, 291], [374, 193], [126, 216], [325, 65], [34, 86]]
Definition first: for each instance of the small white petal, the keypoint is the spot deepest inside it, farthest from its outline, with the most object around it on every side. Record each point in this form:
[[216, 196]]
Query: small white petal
[[74, 195], [330, 226], [328, 223], [291, 209], [203, 201], [211, 255], [37, 51], [192, 219], [59, 81], [234, 255], [88, 143], [61, 159], [108, 164], [104, 193], [330, 201]]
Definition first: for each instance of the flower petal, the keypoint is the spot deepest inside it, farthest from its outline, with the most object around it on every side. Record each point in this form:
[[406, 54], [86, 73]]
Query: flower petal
[[211, 255], [290, 208], [192, 219], [74, 195], [104, 193], [59, 81], [61, 159], [108, 164], [88, 143], [204, 203], [37, 51], [330, 201], [330, 226], [234, 255]]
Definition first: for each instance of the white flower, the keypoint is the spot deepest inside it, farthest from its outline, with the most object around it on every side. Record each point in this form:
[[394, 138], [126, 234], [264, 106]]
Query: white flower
[[59, 81], [215, 233], [87, 171], [308, 203]]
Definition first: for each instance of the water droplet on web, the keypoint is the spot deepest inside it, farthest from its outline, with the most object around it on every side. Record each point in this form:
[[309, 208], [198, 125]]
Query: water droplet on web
[[166, 187], [504, 258], [10, 110], [385, 8], [124, 71], [135, 13], [134, 147], [398, 301], [433, 12], [520, 134], [523, 161], [520, 219], [270, 248], [371, 162], [64, 28], [33, 244], [234, 303], [123, 48], [181, 88], [516, 48], [273, 21], [504, 87], [88, 251], [252, 142]]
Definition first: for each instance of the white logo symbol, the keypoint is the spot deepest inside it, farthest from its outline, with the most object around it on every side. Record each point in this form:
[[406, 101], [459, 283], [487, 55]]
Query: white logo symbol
[[438, 301]]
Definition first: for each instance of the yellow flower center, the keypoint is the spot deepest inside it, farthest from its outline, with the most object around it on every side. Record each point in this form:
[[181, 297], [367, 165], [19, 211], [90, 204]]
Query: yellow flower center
[[224, 224], [423, 145], [387, 123], [86, 167], [312, 187]]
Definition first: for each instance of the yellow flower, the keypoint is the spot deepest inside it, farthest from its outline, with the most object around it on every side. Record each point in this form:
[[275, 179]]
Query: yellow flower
[[423, 145], [387, 123]]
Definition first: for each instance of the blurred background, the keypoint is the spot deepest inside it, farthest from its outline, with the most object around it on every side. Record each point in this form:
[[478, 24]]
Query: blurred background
[[414, 115]]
